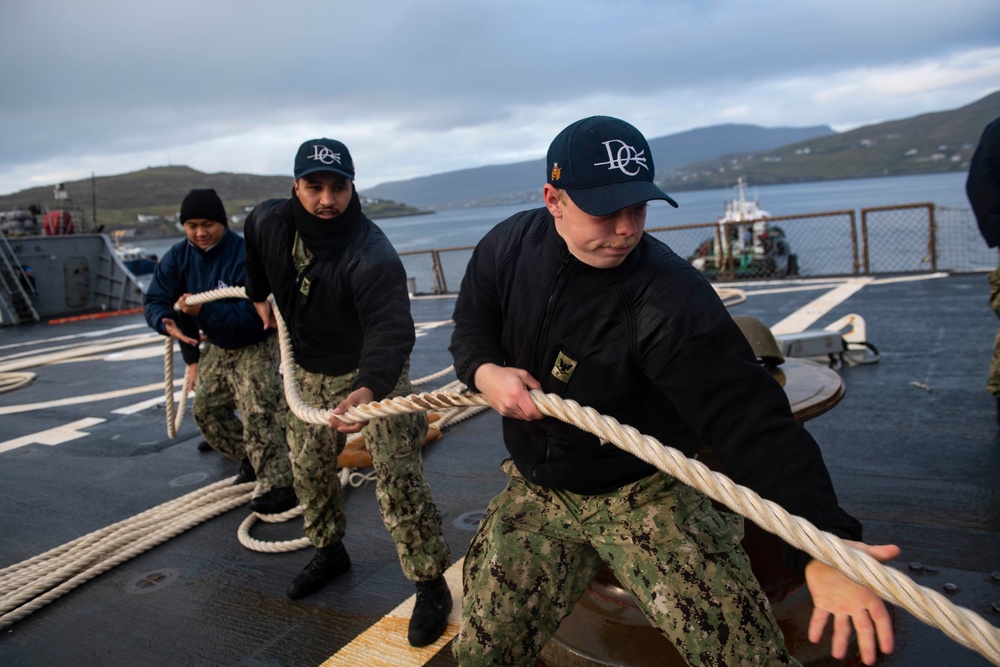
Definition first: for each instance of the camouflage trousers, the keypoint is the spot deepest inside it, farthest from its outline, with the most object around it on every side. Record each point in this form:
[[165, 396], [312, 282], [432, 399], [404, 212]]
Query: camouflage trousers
[[404, 497], [538, 549], [245, 379], [993, 383]]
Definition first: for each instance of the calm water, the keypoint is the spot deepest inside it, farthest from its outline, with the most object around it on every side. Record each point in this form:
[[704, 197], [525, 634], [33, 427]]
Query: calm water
[[465, 227]]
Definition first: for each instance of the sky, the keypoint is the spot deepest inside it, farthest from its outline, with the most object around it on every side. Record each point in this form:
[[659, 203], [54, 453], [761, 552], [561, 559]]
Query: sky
[[415, 88]]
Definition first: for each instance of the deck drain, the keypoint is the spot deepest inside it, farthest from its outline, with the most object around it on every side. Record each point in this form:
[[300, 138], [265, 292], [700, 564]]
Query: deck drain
[[469, 520], [189, 479], [150, 582]]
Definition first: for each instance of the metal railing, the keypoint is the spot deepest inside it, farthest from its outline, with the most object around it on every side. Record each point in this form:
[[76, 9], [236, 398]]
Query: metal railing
[[910, 238]]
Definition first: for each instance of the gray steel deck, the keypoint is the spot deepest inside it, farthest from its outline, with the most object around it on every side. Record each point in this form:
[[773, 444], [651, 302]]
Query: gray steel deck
[[917, 464]]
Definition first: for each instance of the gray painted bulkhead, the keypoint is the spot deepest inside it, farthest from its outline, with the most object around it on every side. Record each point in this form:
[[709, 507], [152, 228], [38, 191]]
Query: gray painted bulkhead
[[76, 274]]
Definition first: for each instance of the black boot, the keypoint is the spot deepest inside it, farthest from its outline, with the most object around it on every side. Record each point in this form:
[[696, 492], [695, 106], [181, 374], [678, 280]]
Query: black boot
[[274, 501], [327, 564], [246, 473], [430, 613]]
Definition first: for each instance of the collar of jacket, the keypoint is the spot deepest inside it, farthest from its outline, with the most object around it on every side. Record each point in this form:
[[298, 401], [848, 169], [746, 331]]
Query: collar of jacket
[[211, 251], [326, 238]]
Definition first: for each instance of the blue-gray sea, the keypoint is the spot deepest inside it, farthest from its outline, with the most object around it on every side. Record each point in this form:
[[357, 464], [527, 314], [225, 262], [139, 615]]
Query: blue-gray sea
[[464, 227]]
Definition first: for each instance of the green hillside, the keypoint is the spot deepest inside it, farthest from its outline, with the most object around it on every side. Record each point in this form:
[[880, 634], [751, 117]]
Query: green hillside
[[157, 192], [929, 143]]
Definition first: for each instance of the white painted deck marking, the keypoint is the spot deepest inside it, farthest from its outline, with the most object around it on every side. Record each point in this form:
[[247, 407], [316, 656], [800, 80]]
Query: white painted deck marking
[[794, 288], [806, 316], [53, 436], [149, 352], [76, 400], [432, 325], [385, 644], [423, 327], [89, 334], [908, 279], [142, 405]]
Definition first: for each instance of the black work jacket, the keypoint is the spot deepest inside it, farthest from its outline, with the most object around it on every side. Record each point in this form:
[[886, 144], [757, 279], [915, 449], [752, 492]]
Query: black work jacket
[[649, 343], [356, 311]]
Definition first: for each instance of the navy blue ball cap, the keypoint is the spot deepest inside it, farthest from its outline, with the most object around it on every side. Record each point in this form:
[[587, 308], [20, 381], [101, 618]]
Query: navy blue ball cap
[[605, 165], [323, 155]]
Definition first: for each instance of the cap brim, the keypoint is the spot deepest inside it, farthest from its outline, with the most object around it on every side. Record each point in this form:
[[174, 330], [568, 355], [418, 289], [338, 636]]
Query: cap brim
[[606, 199], [325, 168]]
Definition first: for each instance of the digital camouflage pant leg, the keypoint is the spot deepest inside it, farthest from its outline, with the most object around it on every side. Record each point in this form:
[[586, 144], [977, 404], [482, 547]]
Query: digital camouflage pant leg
[[993, 384], [245, 379], [314, 449], [538, 549], [404, 497]]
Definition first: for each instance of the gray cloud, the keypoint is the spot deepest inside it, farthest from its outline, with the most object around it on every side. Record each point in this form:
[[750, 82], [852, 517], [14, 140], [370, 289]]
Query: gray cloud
[[422, 87]]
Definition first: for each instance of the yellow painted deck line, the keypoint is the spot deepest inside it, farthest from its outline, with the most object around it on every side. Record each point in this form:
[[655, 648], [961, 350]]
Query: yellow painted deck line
[[52, 436], [384, 644], [806, 316], [76, 400]]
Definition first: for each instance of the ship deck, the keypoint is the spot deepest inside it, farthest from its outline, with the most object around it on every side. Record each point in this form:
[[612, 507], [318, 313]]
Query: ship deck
[[913, 448]]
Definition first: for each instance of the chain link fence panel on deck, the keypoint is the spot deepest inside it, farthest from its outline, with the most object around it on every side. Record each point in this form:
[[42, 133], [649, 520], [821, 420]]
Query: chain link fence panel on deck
[[960, 246], [911, 238], [898, 239], [436, 271]]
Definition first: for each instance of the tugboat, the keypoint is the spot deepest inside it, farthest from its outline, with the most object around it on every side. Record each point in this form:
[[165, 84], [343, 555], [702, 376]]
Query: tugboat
[[745, 244]]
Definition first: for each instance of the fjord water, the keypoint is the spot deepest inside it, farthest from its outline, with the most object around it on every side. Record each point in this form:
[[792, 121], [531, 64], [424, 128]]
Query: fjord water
[[446, 229], [464, 227]]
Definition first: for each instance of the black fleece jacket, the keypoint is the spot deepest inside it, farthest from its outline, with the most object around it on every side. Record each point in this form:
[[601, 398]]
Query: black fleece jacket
[[355, 313], [649, 343]]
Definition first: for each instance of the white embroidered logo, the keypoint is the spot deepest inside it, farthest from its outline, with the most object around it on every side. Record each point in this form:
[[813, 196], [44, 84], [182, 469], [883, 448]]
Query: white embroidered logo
[[622, 157], [324, 155], [222, 285]]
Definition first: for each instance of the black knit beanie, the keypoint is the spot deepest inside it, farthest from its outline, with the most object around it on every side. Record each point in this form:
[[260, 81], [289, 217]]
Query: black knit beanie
[[204, 204]]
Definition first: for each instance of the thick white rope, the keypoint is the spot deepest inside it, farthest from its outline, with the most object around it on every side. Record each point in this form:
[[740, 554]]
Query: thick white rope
[[243, 534], [11, 378], [961, 624], [28, 586], [928, 605], [931, 607], [730, 296], [175, 412], [12, 381]]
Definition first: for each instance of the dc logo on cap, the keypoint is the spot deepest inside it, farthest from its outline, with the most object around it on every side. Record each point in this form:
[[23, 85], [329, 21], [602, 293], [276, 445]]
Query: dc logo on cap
[[327, 156], [622, 157]]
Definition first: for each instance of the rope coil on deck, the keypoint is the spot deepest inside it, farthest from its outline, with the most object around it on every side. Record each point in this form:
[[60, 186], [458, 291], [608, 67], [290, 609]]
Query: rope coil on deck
[[30, 585]]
